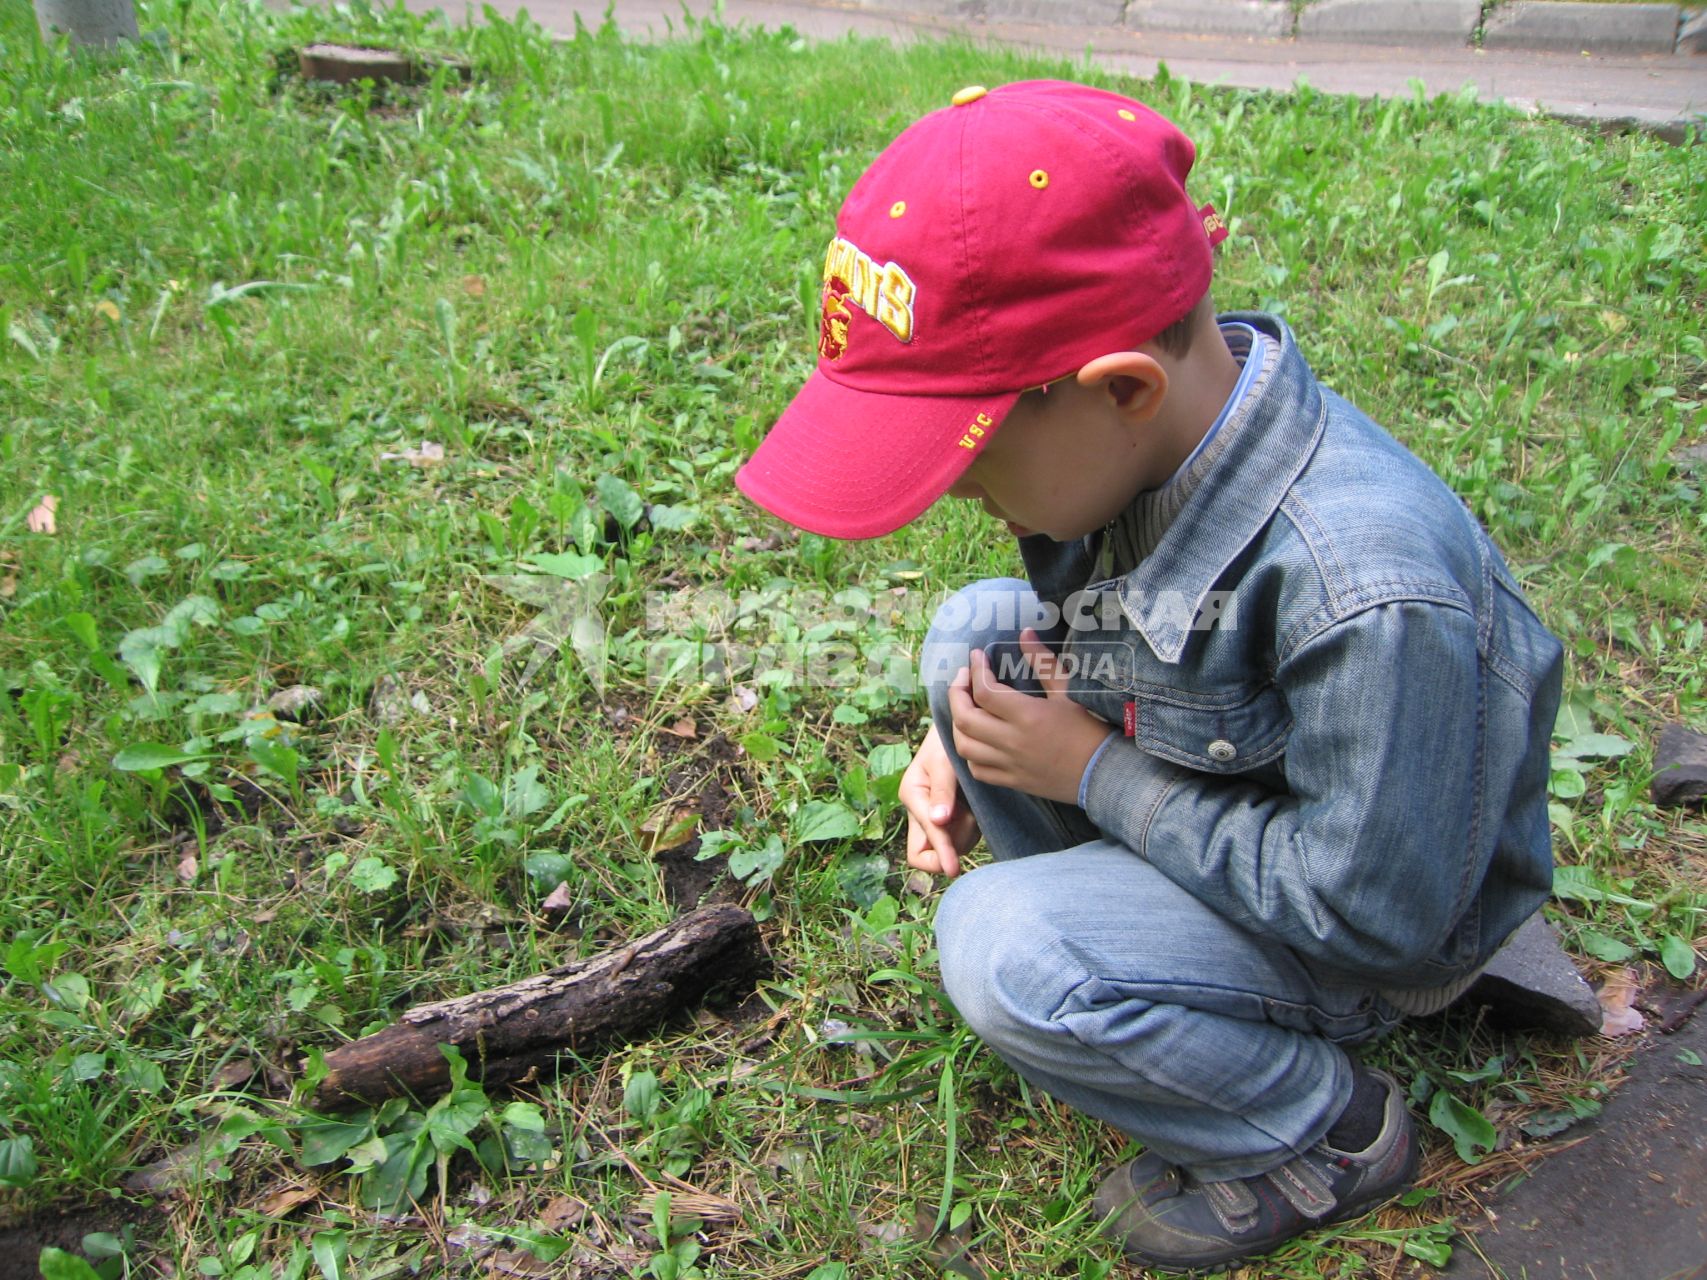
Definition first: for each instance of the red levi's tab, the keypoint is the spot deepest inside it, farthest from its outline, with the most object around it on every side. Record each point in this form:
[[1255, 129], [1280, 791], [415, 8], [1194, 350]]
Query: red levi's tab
[[996, 245], [1129, 719]]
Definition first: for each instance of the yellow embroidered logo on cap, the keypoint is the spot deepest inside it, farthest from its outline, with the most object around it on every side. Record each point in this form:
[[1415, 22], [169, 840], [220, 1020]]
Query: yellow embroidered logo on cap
[[853, 278], [1212, 223], [975, 431]]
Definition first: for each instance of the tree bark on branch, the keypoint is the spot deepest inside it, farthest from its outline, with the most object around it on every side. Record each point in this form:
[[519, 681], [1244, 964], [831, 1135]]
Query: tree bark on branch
[[518, 1031]]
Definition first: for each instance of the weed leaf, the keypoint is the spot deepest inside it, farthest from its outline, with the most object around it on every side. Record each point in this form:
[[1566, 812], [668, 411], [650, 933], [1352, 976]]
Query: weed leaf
[[17, 1162], [56, 1264], [620, 501], [1468, 1128], [152, 755], [825, 820], [1677, 956]]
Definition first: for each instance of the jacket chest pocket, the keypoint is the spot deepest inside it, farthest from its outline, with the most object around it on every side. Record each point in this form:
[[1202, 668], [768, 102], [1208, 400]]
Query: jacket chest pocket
[[1223, 730], [1236, 734]]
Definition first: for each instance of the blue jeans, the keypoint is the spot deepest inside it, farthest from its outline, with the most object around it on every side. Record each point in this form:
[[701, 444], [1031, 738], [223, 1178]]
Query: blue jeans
[[1109, 986]]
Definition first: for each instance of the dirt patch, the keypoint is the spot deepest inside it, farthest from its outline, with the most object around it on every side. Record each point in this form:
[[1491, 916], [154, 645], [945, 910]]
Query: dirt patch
[[698, 776], [21, 1244], [1628, 1200]]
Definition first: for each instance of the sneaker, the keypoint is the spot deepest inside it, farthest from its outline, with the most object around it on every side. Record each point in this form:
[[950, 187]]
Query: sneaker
[[1166, 1219]]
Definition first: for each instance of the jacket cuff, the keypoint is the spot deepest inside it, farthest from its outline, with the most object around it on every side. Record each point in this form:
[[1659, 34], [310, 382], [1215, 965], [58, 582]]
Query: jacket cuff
[[1091, 764], [1123, 789]]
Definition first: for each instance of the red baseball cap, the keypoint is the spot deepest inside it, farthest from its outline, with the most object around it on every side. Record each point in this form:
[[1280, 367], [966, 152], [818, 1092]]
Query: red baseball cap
[[997, 245]]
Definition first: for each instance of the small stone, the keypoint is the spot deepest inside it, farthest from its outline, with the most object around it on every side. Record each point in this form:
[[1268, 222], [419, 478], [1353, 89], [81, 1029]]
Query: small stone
[[1531, 982], [295, 702], [1680, 767], [920, 884], [1691, 457], [389, 701]]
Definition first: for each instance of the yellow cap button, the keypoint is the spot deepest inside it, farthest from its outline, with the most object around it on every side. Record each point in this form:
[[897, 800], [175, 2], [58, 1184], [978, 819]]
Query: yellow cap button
[[971, 93], [1127, 115]]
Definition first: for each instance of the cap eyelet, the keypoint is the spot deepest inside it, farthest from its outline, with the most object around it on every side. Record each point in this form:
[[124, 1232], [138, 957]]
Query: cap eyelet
[[897, 209], [1127, 116], [1039, 179]]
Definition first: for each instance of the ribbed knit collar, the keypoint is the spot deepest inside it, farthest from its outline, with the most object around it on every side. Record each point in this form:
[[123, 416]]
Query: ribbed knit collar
[[1133, 534]]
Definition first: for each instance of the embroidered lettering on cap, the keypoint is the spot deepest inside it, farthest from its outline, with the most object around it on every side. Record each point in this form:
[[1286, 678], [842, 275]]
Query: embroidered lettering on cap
[[885, 293], [976, 431]]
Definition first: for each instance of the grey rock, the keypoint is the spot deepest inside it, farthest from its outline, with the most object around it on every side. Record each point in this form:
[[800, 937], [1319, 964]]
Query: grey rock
[[1061, 13], [1531, 982], [96, 24], [1690, 457], [296, 703], [1562, 27], [389, 701], [1398, 22], [1268, 19], [1692, 37], [1680, 767]]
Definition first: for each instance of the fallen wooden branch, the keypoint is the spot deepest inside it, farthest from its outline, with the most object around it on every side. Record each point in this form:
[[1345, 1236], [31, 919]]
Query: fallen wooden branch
[[514, 1032]]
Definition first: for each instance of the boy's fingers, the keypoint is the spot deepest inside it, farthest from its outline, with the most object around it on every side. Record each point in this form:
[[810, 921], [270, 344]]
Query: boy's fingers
[[931, 850], [943, 790], [988, 693], [1044, 663]]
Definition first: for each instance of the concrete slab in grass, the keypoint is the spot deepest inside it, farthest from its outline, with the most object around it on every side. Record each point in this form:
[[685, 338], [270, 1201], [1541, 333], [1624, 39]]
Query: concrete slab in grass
[[1396, 22], [1058, 13], [1266, 19], [935, 8], [1562, 27]]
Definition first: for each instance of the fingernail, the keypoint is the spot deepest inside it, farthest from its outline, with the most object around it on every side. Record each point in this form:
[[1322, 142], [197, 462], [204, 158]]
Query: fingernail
[[940, 813]]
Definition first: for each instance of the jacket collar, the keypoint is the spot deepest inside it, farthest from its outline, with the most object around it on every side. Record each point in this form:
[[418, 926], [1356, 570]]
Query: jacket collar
[[1284, 416]]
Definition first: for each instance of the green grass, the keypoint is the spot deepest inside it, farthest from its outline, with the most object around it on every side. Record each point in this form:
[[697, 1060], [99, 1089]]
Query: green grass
[[588, 273]]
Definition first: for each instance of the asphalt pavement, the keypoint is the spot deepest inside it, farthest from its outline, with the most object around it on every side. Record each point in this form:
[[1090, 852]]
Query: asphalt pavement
[[1663, 92]]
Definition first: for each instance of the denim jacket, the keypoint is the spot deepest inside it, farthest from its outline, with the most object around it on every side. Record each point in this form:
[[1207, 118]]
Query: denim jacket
[[1336, 704]]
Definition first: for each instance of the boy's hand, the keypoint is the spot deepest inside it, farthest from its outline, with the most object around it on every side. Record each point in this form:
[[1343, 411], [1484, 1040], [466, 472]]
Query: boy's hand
[[940, 828], [1013, 739]]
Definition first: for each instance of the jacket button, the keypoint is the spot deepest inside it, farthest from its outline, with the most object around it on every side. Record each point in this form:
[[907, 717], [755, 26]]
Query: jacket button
[[1222, 750]]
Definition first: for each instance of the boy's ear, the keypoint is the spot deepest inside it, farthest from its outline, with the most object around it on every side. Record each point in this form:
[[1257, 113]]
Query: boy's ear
[[1137, 382]]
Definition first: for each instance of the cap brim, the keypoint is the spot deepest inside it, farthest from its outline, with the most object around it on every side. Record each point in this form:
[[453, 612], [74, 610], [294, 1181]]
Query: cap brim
[[859, 464]]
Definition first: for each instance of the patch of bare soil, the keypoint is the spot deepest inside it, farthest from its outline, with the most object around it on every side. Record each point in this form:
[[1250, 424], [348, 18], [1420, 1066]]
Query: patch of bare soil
[[1626, 1202], [21, 1244]]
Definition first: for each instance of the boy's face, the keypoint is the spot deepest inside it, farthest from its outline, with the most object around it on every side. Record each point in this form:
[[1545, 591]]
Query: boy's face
[[1063, 462]]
